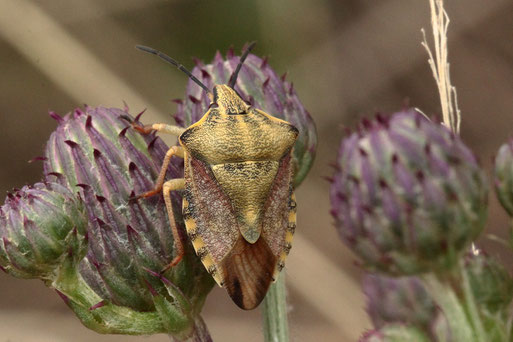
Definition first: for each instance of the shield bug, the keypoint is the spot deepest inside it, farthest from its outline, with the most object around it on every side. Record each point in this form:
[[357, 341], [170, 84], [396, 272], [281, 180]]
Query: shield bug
[[238, 201]]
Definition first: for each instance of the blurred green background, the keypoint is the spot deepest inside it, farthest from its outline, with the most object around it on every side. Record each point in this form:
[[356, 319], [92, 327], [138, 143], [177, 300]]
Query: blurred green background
[[347, 59]]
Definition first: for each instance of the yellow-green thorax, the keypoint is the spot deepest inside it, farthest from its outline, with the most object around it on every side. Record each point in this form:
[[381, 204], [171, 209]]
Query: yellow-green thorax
[[243, 147]]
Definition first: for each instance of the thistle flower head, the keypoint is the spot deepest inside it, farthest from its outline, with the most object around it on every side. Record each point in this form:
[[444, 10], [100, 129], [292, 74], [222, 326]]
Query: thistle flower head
[[408, 195], [40, 226], [96, 153], [259, 85]]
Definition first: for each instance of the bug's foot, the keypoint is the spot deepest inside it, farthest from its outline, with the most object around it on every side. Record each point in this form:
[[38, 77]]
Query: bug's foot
[[143, 129], [146, 194], [147, 129], [173, 263], [150, 193]]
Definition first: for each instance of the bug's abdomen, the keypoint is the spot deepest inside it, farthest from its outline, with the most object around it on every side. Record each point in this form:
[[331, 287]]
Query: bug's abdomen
[[247, 184]]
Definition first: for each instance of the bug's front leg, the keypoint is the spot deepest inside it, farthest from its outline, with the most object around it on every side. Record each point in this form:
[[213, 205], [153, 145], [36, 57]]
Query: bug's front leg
[[171, 185], [159, 127], [173, 151]]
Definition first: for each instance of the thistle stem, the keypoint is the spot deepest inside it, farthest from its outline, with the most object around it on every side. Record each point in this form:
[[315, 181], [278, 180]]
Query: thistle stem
[[471, 306], [274, 312], [445, 296]]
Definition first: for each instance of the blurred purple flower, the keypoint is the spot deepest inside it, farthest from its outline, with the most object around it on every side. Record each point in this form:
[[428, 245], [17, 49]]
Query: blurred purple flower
[[408, 196]]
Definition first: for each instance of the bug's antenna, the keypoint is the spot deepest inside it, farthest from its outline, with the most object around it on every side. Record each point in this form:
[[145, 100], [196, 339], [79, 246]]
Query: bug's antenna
[[233, 77], [176, 64]]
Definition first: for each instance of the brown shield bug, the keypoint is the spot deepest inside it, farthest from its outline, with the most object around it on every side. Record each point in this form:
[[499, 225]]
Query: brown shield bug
[[238, 201]]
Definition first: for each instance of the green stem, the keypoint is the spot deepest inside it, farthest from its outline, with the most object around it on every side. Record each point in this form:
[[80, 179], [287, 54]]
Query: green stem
[[457, 319], [274, 312], [470, 303]]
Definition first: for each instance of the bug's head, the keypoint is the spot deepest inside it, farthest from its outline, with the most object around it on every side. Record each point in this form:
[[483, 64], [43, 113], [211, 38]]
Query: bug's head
[[229, 101], [226, 97]]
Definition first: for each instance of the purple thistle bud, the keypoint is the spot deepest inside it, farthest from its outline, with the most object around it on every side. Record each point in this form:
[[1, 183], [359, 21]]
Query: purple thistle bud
[[40, 226], [420, 198], [259, 85], [402, 300], [97, 154]]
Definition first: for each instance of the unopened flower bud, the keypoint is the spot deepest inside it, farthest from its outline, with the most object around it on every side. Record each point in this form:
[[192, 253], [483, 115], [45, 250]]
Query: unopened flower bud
[[40, 227], [97, 153], [408, 196]]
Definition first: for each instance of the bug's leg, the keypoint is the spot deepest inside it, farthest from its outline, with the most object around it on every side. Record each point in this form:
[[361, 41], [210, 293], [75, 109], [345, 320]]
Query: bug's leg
[[169, 129], [173, 151], [159, 127], [171, 185]]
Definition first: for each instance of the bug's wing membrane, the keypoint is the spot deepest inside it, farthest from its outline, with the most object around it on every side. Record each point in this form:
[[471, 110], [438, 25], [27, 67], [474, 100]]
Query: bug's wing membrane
[[248, 271]]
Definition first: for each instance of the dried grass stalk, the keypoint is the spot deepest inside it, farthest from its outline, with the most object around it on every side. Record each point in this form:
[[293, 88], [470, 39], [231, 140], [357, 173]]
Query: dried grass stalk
[[440, 66]]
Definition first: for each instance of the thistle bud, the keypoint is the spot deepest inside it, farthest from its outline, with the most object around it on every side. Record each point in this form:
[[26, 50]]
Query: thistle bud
[[98, 154], [398, 300], [408, 196], [259, 85], [503, 174], [40, 227]]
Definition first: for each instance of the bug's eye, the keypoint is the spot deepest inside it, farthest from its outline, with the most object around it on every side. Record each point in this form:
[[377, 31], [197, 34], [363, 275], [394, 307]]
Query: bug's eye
[[213, 105]]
